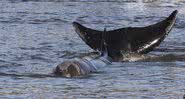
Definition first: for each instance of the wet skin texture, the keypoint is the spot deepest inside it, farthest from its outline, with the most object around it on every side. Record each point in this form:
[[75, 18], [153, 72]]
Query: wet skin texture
[[132, 39], [81, 67]]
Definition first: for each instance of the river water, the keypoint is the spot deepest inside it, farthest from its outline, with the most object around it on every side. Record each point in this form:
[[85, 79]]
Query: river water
[[36, 35]]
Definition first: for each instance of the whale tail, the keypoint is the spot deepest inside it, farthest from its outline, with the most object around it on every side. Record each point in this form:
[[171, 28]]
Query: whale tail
[[130, 39], [104, 46], [105, 52]]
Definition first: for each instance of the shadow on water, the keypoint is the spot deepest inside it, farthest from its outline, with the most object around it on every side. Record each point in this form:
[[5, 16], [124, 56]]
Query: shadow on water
[[28, 75], [36, 76]]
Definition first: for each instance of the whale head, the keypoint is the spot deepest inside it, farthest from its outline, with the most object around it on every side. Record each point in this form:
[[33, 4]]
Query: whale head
[[68, 69], [73, 68]]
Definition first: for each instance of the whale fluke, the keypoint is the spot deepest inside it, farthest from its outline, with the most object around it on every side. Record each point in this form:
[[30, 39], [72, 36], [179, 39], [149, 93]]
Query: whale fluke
[[130, 39]]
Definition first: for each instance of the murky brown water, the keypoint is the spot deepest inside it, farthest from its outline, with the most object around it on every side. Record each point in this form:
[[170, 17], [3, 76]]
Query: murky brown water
[[36, 35]]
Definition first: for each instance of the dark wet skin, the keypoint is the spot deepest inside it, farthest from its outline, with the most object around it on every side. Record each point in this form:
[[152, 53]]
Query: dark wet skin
[[68, 69], [139, 40], [74, 68], [131, 39], [81, 67]]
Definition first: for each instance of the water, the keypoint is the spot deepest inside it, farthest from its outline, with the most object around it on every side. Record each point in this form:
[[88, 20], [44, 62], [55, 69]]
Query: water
[[36, 35]]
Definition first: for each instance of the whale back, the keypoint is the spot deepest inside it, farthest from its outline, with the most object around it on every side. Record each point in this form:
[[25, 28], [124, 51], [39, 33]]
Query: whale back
[[130, 39]]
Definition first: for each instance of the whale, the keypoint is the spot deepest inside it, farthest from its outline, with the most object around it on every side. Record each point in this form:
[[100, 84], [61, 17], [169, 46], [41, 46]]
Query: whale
[[81, 67], [114, 45], [139, 40]]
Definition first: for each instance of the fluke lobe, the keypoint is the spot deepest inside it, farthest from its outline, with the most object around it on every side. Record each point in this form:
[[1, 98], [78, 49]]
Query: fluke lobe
[[129, 39]]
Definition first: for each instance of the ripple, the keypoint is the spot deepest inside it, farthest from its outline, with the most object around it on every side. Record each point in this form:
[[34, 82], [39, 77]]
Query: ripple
[[36, 35], [11, 20], [43, 21], [28, 75], [6, 64]]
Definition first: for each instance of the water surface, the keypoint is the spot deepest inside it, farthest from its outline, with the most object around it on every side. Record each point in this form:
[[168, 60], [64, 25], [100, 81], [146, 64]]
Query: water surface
[[36, 35]]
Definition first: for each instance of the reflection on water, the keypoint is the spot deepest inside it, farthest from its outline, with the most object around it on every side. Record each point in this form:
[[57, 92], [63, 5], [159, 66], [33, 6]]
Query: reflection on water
[[36, 35]]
